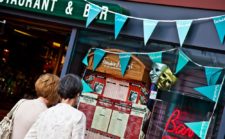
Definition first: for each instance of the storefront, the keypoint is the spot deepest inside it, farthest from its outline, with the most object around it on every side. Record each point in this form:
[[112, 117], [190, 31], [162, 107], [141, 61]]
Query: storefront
[[32, 44], [57, 30]]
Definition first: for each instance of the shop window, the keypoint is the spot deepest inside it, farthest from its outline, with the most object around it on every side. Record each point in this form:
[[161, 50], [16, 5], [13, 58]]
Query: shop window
[[180, 102]]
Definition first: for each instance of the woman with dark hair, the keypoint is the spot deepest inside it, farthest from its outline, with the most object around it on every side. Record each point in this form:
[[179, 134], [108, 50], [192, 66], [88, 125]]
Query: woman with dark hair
[[62, 121]]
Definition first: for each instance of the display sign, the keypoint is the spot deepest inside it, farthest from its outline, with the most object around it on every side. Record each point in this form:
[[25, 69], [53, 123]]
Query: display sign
[[72, 9], [110, 64]]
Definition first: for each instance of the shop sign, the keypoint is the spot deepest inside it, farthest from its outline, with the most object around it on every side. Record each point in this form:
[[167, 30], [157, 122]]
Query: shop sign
[[73, 9], [174, 126]]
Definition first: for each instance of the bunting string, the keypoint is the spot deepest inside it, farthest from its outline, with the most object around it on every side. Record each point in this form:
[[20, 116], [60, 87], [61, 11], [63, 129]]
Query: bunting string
[[146, 53], [138, 18], [199, 65], [149, 25]]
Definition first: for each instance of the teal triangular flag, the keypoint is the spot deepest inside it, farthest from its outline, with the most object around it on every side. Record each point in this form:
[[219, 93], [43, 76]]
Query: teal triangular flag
[[220, 27], [119, 22], [93, 12], [182, 61], [183, 27], [212, 92], [98, 55], [124, 60], [199, 128], [85, 60], [156, 57], [86, 87], [212, 74], [148, 26]]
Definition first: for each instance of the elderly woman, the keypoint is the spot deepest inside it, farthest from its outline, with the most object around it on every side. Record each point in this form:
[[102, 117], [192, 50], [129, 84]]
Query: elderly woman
[[62, 121], [46, 88]]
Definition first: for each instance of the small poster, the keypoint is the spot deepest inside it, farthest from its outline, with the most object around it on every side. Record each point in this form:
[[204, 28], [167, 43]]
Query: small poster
[[118, 123], [116, 89], [101, 118], [98, 87], [133, 96], [153, 94], [88, 110], [134, 126]]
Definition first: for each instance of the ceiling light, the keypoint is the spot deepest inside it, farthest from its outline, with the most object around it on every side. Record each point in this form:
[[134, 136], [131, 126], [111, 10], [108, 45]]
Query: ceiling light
[[22, 32], [56, 44]]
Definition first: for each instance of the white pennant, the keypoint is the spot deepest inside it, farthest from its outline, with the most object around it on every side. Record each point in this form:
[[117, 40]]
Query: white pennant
[[183, 27]]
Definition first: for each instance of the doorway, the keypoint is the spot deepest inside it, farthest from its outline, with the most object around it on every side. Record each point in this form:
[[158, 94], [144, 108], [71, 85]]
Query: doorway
[[28, 49]]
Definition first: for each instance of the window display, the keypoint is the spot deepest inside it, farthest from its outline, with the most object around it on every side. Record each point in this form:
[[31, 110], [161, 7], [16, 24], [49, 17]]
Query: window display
[[181, 103], [120, 108]]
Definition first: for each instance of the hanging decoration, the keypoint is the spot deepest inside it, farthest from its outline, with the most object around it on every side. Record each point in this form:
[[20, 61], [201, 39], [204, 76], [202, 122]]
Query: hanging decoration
[[124, 60], [212, 74], [86, 87], [93, 12], [119, 22], [183, 27], [98, 55], [220, 27], [212, 92], [182, 61], [156, 57], [85, 60], [148, 28], [199, 128]]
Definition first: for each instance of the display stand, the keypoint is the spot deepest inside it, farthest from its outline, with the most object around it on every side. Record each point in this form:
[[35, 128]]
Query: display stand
[[116, 108]]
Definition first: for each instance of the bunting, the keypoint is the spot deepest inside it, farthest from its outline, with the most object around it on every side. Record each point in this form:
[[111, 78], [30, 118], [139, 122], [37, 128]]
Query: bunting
[[212, 92], [220, 27], [156, 57], [93, 12], [199, 128], [98, 55], [212, 74], [124, 60], [149, 25], [85, 60], [86, 87], [183, 27], [119, 22], [148, 28], [182, 61]]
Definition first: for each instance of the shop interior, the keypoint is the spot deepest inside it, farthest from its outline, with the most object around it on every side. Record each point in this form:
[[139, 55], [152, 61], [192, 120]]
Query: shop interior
[[27, 50]]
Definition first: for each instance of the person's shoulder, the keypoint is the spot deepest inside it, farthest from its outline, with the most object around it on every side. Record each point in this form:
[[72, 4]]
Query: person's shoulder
[[76, 111], [78, 115], [26, 102]]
